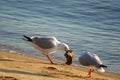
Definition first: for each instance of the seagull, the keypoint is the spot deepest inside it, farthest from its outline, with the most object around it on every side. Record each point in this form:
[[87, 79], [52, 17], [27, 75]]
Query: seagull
[[49, 45], [93, 61]]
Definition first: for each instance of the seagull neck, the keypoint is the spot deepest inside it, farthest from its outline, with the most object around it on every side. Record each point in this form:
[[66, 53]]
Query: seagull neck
[[63, 46]]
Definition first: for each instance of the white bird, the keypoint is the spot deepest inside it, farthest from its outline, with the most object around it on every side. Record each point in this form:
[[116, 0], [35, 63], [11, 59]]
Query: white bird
[[93, 61], [49, 45]]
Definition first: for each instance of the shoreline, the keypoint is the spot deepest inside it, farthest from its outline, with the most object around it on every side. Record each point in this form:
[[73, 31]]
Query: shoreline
[[24, 67], [57, 58]]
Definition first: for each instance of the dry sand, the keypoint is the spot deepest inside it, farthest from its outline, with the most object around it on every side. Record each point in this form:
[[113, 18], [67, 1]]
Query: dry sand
[[19, 67]]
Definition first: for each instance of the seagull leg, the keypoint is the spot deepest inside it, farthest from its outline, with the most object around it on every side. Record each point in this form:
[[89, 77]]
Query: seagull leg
[[49, 59], [90, 72]]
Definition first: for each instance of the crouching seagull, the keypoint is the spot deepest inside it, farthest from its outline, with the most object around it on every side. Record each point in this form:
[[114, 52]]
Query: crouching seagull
[[49, 45], [93, 61]]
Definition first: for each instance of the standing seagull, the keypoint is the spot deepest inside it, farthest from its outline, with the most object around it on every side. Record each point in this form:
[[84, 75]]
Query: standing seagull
[[49, 45], [93, 61]]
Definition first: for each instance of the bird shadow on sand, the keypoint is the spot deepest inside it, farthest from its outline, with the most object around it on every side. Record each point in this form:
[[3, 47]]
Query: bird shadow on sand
[[2, 59], [25, 61], [41, 62], [25, 73]]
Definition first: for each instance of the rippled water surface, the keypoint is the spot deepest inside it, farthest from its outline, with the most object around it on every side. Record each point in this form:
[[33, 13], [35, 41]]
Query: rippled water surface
[[92, 25]]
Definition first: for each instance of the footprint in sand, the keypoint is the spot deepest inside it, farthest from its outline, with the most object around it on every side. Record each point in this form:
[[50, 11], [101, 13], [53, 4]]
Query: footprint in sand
[[52, 68], [7, 78]]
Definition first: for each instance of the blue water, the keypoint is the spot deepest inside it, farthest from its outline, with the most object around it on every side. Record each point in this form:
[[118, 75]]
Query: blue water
[[92, 25]]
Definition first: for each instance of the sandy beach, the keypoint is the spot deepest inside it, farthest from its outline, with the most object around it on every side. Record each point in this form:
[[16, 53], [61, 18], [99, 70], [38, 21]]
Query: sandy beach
[[20, 67]]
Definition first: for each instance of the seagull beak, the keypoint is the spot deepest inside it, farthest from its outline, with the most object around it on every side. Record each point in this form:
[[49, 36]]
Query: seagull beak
[[69, 56], [27, 38]]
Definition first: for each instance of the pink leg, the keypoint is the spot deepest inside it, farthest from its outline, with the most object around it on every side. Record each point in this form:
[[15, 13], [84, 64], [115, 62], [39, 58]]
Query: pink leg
[[90, 72], [49, 59]]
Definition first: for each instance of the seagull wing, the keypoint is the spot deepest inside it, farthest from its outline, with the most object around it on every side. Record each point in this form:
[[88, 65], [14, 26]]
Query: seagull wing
[[89, 59], [45, 43], [97, 59]]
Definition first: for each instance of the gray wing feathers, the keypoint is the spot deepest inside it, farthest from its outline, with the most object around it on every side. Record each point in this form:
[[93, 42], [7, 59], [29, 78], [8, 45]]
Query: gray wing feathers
[[45, 43], [89, 59]]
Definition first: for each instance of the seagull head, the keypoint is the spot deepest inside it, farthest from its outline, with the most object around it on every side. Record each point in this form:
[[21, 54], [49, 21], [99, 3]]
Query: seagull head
[[69, 56]]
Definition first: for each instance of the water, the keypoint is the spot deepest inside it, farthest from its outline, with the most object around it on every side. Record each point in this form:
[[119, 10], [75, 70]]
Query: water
[[92, 25]]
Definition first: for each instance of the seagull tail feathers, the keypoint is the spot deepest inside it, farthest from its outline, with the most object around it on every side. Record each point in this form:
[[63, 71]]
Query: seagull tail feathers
[[101, 68], [27, 38], [104, 66]]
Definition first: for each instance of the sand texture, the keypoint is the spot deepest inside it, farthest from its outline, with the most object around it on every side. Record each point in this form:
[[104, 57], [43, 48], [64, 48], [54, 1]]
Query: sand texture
[[19, 67]]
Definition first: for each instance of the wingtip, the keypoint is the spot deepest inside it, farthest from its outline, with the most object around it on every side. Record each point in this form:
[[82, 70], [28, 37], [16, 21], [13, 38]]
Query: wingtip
[[24, 36], [104, 66], [27, 38]]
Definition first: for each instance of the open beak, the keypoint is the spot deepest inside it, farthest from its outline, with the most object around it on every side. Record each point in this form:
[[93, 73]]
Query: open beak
[[27, 38], [69, 56]]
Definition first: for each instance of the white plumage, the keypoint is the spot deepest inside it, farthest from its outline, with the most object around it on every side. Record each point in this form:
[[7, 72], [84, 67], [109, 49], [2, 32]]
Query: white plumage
[[91, 60], [46, 45]]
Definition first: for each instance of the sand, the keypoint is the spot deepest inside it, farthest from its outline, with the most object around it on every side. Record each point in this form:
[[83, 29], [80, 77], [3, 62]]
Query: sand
[[20, 67]]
